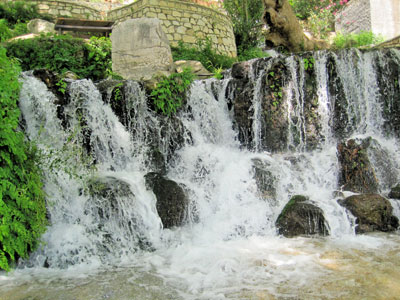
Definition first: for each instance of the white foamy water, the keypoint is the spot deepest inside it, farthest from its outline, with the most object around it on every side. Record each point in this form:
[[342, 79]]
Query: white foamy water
[[106, 241]]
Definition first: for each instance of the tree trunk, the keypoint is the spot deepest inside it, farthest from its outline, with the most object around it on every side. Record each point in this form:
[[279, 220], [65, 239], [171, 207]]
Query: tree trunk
[[285, 30]]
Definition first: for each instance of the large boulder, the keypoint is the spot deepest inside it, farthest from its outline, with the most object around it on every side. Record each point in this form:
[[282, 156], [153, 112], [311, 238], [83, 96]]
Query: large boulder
[[373, 213], [172, 202], [140, 49], [356, 172], [301, 217], [38, 26]]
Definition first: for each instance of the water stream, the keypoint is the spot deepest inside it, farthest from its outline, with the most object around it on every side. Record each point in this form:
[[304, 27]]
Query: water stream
[[98, 247]]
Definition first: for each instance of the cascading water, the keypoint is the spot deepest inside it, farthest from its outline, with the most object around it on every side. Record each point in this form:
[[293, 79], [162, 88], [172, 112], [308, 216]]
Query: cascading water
[[106, 240]]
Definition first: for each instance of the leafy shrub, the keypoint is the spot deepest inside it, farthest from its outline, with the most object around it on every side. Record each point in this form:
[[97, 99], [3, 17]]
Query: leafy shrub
[[22, 204], [7, 31], [204, 53], [19, 12], [251, 53], [61, 53], [169, 92], [364, 38]]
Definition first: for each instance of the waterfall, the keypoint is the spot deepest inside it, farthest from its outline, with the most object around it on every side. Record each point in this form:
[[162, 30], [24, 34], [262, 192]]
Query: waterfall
[[240, 148]]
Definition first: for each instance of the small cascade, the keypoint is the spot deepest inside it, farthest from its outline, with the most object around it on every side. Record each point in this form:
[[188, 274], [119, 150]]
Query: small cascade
[[237, 152]]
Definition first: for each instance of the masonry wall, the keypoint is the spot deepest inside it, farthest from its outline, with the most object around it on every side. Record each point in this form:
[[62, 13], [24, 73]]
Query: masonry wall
[[69, 9], [379, 16], [183, 21], [355, 17]]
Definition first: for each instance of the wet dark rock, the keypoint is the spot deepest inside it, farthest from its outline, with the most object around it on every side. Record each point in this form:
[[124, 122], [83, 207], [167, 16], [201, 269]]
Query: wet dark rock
[[172, 202], [395, 192], [373, 213], [108, 198], [241, 70], [356, 172], [340, 122], [264, 179], [301, 217], [388, 72]]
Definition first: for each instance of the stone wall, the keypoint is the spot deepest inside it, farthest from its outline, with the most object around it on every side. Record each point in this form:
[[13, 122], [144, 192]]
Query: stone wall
[[70, 9], [183, 21], [379, 16], [354, 18]]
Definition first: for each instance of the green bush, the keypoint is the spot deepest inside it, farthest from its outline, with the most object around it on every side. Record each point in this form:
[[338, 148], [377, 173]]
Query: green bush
[[251, 53], [7, 31], [22, 204], [204, 53], [170, 91], [355, 40], [61, 53], [19, 12]]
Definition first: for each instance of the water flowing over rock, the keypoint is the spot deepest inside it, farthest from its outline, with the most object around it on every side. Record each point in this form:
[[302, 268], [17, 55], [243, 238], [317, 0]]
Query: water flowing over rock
[[395, 192], [172, 202], [357, 174], [191, 205], [140, 49], [300, 217], [373, 213]]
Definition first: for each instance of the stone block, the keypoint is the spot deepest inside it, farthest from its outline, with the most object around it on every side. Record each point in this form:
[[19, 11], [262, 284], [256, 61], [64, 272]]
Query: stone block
[[140, 49]]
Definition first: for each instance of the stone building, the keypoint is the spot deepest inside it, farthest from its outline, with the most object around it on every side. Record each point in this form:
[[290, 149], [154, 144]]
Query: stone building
[[379, 16]]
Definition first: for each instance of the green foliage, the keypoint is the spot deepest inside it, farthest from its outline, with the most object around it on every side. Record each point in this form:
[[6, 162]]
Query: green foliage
[[7, 31], [364, 38], [169, 92], [246, 16], [61, 53], [19, 12], [321, 23], [62, 86], [251, 53], [22, 204], [308, 63], [204, 53]]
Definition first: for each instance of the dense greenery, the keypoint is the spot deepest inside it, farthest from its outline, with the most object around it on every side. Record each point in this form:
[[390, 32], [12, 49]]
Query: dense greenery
[[364, 38], [22, 204], [170, 91], [204, 53], [61, 53], [14, 17], [246, 16]]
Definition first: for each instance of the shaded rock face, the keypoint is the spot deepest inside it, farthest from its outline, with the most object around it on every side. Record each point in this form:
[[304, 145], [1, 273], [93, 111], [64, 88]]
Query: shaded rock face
[[108, 198], [356, 172], [269, 113], [395, 192], [300, 217], [140, 49], [373, 213], [172, 202]]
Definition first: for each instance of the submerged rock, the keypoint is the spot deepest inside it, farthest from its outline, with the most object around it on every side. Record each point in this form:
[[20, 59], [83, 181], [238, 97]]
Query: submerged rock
[[373, 213], [356, 172], [395, 192], [172, 202], [300, 217]]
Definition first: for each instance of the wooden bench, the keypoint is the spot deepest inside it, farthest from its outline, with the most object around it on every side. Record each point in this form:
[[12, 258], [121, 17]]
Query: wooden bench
[[77, 25]]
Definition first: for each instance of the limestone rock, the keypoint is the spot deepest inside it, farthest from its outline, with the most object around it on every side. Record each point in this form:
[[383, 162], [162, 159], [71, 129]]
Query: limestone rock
[[140, 49], [356, 172], [197, 68], [373, 213], [38, 26], [172, 202], [300, 217]]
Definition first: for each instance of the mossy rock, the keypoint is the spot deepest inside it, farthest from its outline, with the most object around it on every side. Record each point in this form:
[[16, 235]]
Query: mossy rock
[[301, 217], [395, 192]]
